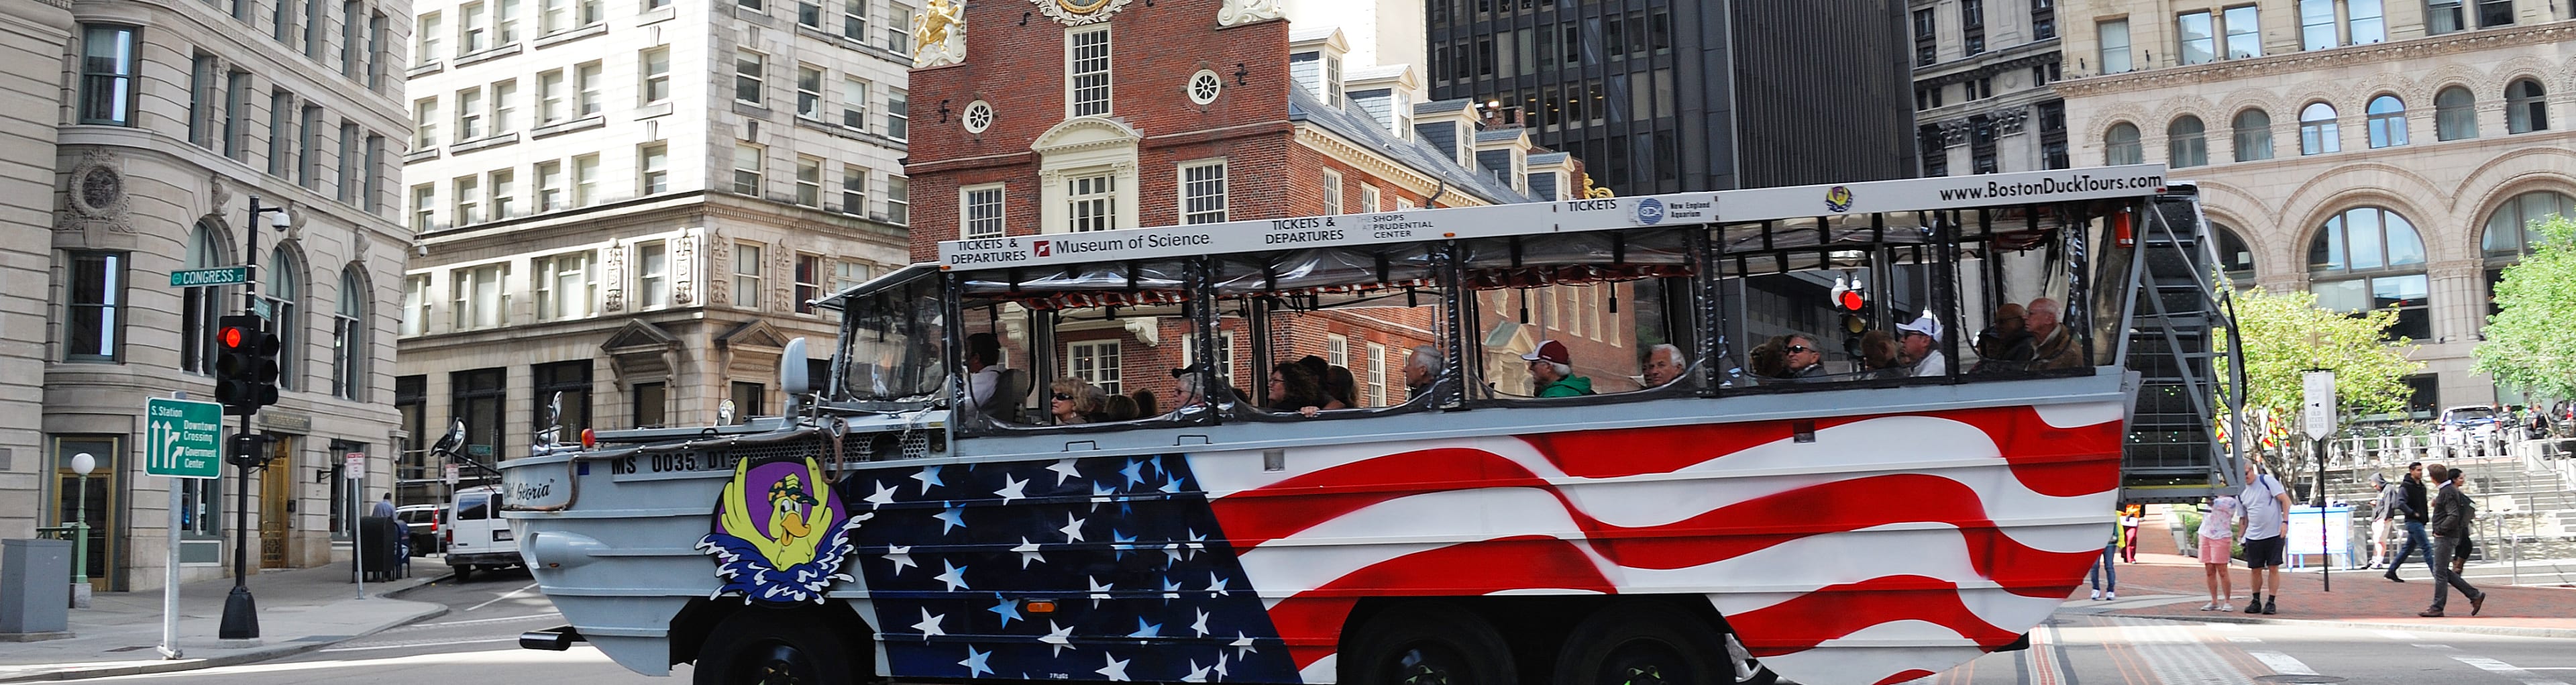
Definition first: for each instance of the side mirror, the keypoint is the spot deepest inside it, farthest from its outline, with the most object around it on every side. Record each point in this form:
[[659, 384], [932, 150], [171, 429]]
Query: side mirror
[[792, 371]]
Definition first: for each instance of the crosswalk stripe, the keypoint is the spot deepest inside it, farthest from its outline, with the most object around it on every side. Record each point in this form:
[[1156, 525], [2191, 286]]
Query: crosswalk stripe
[[2177, 658], [2505, 669], [2281, 663]]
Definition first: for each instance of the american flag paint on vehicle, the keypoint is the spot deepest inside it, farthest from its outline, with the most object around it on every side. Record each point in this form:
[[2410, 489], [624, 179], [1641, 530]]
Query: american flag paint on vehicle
[[1870, 549]]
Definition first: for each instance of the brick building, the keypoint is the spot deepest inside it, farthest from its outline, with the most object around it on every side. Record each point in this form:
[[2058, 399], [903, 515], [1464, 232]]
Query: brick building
[[1048, 126]]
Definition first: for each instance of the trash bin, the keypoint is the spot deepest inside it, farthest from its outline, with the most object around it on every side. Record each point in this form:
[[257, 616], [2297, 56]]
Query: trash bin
[[379, 548], [35, 587]]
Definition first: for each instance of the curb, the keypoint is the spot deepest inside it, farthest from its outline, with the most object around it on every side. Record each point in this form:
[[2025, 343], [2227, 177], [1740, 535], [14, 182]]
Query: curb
[[2507, 631], [245, 657]]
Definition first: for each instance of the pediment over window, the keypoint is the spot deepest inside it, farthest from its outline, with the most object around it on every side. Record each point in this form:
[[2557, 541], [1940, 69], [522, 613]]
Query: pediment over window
[[752, 349], [1086, 133], [641, 352]]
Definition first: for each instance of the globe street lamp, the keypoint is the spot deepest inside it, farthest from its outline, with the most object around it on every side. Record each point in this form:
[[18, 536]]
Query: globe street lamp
[[82, 464]]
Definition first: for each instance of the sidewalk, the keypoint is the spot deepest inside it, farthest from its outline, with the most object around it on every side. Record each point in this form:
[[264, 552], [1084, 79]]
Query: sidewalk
[[299, 610], [2170, 586]]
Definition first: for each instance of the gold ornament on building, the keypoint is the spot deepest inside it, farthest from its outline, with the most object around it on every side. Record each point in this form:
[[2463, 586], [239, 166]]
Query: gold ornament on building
[[1079, 12], [1591, 192], [939, 34]]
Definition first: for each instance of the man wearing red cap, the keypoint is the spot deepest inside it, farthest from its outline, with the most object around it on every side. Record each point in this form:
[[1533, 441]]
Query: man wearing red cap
[[1554, 370]]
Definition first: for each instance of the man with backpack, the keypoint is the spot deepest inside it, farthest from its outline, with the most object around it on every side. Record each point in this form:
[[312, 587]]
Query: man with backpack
[[2452, 515]]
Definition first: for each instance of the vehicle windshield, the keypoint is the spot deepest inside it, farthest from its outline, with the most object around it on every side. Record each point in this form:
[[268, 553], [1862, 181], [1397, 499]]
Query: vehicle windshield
[[2472, 414], [891, 343]]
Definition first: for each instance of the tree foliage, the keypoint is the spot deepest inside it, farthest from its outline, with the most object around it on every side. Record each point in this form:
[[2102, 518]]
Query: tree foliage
[[2285, 335], [2531, 343]]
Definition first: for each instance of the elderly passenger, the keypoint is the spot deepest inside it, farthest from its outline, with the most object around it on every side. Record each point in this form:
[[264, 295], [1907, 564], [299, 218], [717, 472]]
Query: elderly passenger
[[1552, 368], [1663, 365]]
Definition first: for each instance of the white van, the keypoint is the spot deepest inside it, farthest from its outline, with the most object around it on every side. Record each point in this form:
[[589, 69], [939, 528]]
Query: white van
[[477, 538]]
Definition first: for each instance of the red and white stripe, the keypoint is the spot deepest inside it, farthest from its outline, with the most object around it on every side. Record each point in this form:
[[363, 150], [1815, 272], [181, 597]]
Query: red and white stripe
[[1890, 547]]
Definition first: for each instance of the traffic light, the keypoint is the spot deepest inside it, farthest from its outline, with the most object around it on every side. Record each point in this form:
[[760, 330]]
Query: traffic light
[[247, 450], [245, 364], [1851, 300]]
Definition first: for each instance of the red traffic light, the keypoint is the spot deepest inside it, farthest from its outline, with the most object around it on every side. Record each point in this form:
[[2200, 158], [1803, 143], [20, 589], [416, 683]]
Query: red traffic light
[[232, 338], [1850, 301]]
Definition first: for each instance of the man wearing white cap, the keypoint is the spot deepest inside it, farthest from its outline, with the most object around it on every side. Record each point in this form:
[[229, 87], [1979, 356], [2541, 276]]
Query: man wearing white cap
[[1917, 339], [1553, 369]]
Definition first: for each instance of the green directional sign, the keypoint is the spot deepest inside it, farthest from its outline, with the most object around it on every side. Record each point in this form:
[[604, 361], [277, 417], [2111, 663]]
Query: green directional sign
[[183, 438], [222, 275]]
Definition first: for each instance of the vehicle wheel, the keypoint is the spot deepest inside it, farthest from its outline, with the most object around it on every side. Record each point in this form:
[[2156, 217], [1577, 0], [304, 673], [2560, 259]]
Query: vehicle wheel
[[1427, 644], [1645, 643], [762, 646], [464, 574]]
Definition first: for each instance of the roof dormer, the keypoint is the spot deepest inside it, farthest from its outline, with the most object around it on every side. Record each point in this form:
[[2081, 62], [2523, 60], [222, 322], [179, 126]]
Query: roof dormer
[[1385, 93], [1449, 125], [1504, 154], [1315, 61]]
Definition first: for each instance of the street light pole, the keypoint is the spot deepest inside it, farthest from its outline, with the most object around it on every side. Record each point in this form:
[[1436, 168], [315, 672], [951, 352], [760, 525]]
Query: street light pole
[[241, 611]]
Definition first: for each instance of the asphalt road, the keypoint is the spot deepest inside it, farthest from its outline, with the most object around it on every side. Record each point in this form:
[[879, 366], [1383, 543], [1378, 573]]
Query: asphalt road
[[476, 642]]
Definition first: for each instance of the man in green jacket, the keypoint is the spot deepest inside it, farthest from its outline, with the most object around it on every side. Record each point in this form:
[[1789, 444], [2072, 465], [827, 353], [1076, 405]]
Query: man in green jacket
[[1553, 369]]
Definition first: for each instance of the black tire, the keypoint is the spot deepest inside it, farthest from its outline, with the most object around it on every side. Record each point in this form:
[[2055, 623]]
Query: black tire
[[464, 574], [1650, 643], [1428, 643], [763, 646]]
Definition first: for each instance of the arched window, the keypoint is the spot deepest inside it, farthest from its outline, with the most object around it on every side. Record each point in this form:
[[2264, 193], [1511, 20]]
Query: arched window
[[2371, 258], [200, 306], [2387, 121], [349, 336], [2317, 134], [2509, 231], [2235, 258], [2120, 145], [2526, 107], [2186, 142], [286, 289], [2253, 135], [2455, 114]]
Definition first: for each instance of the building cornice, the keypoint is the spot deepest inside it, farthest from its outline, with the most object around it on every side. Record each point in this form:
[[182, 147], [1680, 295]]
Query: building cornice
[[2226, 71], [1343, 150]]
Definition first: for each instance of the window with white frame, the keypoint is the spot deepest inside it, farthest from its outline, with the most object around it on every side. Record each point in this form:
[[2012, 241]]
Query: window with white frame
[[424, 206], [554, 16], [809, 181], [654, 168], [550, 186], [653, 275], [854, 20], [746, 275], [1337, 350], [424, 122], [854, 104], [470, 32], [747, 76], [505, 20], [848, 273], [809, 92], [1368, 198], [746, 168], [898, 200], [898, 114], [1403, 203], [1203, 196], [981, 215], [427, 50], [550, 97], [810, 13], [657, 75], [854, 190], [469, 114], [469, 201], [1091, 203], [1224, 355], [415, 320], [505, 98], [1332, 192], [1376, 396], [585, 180], [1095, 363], [898, 35], [1086, 67], [480, 298], [2114, 41], [567, 286], [586, 79], [505, 192]]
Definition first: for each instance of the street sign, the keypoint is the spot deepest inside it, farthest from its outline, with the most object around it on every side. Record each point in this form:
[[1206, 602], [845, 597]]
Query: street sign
[[221, 275], [450, 477], [2319, 407], [183, 438], [354, 466]]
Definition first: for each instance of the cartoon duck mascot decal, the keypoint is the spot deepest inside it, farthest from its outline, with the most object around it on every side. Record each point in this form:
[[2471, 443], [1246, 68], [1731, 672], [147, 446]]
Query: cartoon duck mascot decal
[[780, 533]]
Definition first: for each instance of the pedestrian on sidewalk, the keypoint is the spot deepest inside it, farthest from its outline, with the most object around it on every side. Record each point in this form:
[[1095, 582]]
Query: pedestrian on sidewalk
[[2267, 504], [2129, 518], [2217, 535], [2105, 579], [2468, 538], [2383, 516], [2413, 499], [2452, 514]]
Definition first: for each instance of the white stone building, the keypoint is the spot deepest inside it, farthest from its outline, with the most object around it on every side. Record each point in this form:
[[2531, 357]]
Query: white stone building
[[137, 133], [2379, 154], [630, 202], [1982, 103]]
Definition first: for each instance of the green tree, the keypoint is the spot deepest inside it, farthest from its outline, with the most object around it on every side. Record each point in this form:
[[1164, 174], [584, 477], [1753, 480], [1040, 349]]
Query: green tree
[[2284, 336], [2531, 343]]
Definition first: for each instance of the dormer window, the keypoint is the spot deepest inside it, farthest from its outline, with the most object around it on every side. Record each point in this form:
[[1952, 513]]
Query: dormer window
[[1333, 81]]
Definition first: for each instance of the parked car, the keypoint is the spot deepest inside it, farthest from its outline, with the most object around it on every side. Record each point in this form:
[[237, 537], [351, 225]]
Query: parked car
[[428, 524], [477, 538], [2468, 427]]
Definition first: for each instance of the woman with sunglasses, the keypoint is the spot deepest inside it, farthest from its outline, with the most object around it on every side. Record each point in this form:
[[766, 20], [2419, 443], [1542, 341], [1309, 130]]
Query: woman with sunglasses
[[1294, 388], [1074, 402]]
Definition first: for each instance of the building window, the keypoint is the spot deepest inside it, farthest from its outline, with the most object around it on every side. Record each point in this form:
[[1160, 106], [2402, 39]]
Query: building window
[[854, 20], [653, 275], [2114, 35], [2526, 107], [898, 200], [201, 100], [585, 180], [1376, 394], [1927, 39], [657, 75], [2244, 32], [308, 147], [898, 114], [424, 121], [375, 173], [478, 395], [747, 400], [377, 36], [107, 75], [2442, 16], [847, 274], [567, 286], [2455, 114], [809, 92], [280, 132], [809, 182], [346, 190], [2387, 121], [2043, 19], [2368, 22], [469, 114], [746, 169], [565, 385], [424, 207], [415, 305], [2186, 142], [550, 97], [655, 169], [2121, 146], [505, 194], [809, 283], [2253, 135], [2316, 24], [94, 307], [1203, 197], [285, 299], [430, 27], [2317, 133], [854, 191], [550, 186], [505, 99], [898, 35], [470, 31], [747, 77], [469, 202], [649, 401], [1091, 203], [236, 101], [2234, 257], [505, 15], [1095, 363], [746, 275], [2514, 227], [586, 79], [2371, 258], [349, 351], [1333, 190], [200, 306], [1087, 71], [480, 298], [810, 13], [2199, 39], [854, 104], [2494, 13], [1972, 26], [982, 215]]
